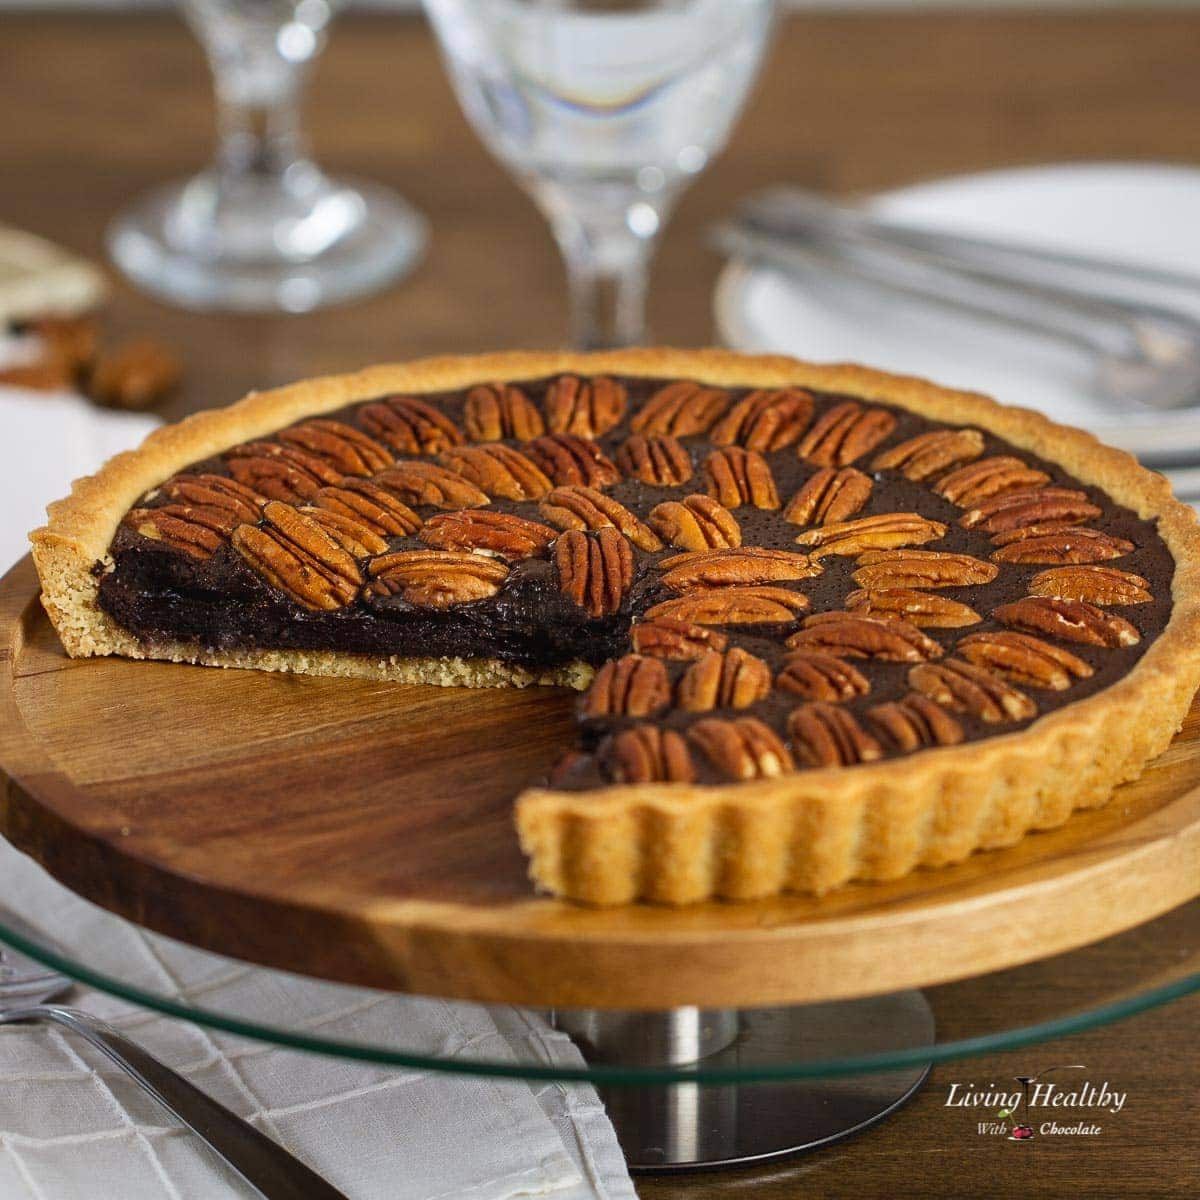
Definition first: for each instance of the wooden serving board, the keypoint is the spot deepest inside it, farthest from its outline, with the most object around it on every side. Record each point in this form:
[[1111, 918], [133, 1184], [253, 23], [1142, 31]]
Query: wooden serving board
[[362, 832]]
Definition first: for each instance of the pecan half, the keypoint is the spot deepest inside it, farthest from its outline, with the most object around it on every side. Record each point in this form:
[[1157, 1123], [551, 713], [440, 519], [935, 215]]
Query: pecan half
[[294, 554], [353, 535], [586, 407], [827, 735], [280, 472], [658, 461], [765, 420], [844, 433], [829, 496], [436, 578], [735, 477], [735, 679], [500, 410], [696, 523], [675, 640], [741, 748], [927, 454], [586, 508], [486, 532], [887, 531], [498, 470], [1071, 620], [817, 675], [566, 458], [410, 426], [965, 687], [196, 530], [915, 722], [629, 686], [1096, 585], [681, 409], [979, 481], [733, 606], [854, 635], [1029, 506], [745, 565], [215, 491], [346, 449], [595, 570], [425, 483], [1025, 659], [921, 569], [648, 754], [1062, 546], [371, 504], [919, 608]]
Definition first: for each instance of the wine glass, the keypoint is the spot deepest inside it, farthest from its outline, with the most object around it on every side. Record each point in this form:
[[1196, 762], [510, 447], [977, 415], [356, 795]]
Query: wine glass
[[604, 110], [264, 229]]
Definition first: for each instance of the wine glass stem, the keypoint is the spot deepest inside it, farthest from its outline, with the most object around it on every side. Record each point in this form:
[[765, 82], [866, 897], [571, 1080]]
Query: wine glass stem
[[257, 140]]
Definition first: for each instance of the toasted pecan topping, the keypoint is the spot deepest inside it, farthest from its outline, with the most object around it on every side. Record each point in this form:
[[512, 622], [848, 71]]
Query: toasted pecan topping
[[1029, 506], [734, 477], [629, 686], [1071, 620], [410, 426], [681, 409], [827, 735], [929, 454], [742, 748], [371, 504], [425, 483], [735, 679], [436, 578], [854, 635], [586, 508], [696, 523], [915, 722], [765, 420], [1025, 659], [844, 433], [886, 531], [745, 565], [500, 410], [586, 407], [215, 491], [818, 675], [648, 754], [498, 470], [279, 472], [733, 606], [595, 570], [353, 535], [829, 496], [675, 640], [658, 461], [197, 530], [486, 532], [1059, 545], [346, 449], [965, 687], [921, 569], [1096, 585], [979, 481], [920, 608], [566, 458]]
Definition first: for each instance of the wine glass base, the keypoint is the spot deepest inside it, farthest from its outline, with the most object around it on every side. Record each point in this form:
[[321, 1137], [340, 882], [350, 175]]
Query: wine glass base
[[385, 242]]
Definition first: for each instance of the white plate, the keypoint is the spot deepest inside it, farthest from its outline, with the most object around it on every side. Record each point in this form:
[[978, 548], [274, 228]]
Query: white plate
[[1141, 213]]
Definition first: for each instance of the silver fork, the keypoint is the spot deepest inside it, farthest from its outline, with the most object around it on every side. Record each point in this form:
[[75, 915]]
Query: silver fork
[[26, 989]]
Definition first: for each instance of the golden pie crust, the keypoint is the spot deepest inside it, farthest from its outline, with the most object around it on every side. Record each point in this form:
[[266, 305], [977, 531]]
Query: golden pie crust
[[678, 843]]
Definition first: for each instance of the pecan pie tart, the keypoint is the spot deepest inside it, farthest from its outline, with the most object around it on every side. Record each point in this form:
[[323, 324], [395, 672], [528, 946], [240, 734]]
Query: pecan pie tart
[[828, 624]]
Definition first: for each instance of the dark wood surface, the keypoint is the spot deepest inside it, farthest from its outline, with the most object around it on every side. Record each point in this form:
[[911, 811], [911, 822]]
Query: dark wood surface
[[98, 108]]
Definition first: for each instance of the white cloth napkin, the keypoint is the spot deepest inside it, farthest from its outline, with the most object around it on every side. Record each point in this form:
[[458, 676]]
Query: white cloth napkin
[[72, 1127]]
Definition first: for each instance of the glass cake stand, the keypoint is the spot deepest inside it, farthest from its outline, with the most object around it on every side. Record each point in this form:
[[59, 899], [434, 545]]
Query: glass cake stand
[[685, 1088]]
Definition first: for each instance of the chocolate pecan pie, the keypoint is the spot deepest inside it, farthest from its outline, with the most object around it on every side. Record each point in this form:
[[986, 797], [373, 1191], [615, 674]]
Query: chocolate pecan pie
[[831, 624]]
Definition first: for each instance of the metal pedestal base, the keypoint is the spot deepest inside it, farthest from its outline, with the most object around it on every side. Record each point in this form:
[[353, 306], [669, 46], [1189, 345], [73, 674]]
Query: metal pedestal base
[[688, 1126]]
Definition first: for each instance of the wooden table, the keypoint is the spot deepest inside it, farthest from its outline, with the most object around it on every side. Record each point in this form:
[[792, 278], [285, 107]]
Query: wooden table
[[97, 108]]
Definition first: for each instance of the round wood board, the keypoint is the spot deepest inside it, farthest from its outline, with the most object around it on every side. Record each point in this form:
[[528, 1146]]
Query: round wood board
[[362, 832]]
